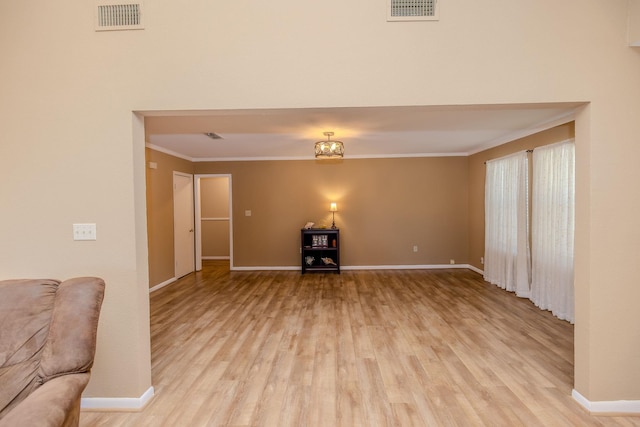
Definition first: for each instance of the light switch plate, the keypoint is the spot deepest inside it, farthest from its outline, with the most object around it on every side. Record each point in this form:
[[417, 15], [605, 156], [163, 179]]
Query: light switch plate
[[84, 232]]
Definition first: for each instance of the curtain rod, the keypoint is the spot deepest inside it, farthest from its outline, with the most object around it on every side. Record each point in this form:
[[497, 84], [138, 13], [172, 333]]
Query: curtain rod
[[528, 151], [570, 140]]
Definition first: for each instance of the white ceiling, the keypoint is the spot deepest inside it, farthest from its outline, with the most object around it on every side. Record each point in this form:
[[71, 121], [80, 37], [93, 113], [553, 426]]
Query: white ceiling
[[367, 132]]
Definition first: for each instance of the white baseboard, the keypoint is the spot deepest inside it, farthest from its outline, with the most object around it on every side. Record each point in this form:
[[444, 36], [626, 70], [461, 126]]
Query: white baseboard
[[162, 285], [476, 269], [408, 267], [270, 268], [612, 407], [117, 403], [368, 267], [344, 267]]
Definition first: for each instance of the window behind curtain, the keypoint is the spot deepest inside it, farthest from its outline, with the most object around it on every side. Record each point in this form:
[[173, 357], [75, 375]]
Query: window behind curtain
[[552, 228], [507, 260]]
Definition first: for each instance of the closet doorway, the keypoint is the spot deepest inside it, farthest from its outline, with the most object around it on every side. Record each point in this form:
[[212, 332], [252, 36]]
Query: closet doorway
[[213, 218]]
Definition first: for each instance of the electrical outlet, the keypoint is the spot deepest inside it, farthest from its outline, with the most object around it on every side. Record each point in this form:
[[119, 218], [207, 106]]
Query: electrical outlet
[[452, 261], [482, 260], [415, 248]]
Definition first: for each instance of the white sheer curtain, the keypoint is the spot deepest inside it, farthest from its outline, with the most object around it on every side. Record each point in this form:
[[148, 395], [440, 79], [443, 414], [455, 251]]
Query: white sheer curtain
[[506, 254], [552, 228]]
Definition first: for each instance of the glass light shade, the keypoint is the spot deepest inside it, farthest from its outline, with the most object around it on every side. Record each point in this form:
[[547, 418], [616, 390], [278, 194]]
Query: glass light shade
[[328, 148]]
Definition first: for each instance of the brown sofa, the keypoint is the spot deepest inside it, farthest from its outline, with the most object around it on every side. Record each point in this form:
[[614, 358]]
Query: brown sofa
[[47, 344]]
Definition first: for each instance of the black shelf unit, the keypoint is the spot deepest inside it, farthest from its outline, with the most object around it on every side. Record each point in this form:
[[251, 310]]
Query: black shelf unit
[[319, 243]]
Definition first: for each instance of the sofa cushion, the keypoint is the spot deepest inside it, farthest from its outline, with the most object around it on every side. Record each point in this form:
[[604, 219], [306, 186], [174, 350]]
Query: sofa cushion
[[25, 312]]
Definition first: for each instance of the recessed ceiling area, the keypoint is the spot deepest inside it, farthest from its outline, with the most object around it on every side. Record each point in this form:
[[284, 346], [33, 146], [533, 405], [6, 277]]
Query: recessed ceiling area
[[367, 132]]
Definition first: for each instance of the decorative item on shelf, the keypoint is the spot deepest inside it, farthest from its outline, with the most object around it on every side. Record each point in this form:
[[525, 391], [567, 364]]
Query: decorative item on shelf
[[309, 260], [333, 208], [329, 149], [319, 241], [308, 225], [328, 261]]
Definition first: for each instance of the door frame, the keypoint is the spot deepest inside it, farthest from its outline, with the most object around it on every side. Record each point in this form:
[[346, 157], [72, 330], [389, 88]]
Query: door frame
[[198, 217]]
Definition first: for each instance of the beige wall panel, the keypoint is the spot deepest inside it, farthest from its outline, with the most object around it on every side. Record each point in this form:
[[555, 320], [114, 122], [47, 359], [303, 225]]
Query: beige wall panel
[[215, 239], [214, 197], [634, 23]]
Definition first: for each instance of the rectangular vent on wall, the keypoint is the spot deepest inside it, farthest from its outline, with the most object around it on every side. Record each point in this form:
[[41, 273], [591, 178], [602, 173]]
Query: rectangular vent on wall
[[412, 10], [121, 16]]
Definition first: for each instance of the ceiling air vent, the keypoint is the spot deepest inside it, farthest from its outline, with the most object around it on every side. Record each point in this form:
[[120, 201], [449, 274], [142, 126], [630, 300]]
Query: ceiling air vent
[[118, 16], [412, 10]]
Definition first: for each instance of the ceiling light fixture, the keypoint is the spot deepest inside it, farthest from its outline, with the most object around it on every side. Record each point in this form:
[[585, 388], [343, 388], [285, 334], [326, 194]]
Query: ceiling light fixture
[[329, 149]]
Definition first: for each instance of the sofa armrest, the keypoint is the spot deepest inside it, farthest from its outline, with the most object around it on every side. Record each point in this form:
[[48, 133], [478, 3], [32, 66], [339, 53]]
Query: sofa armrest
[[71, 343], [55, 403]]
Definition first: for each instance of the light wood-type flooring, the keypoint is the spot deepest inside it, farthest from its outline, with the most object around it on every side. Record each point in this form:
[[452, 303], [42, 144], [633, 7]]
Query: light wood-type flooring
[[362, 348]]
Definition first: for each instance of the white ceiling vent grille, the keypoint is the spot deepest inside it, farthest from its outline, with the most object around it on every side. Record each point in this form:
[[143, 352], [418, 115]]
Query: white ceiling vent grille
[[412, 10], [120, 16]]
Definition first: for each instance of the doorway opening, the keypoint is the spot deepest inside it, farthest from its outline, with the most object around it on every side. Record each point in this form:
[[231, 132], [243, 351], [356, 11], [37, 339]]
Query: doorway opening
[[213, 219]]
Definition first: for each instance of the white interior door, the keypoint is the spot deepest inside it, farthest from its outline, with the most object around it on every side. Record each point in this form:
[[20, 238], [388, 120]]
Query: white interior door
[[183, 224]]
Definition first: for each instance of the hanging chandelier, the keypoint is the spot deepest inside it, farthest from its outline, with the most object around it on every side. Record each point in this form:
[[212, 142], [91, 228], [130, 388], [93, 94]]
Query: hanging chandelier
[[329, 149]]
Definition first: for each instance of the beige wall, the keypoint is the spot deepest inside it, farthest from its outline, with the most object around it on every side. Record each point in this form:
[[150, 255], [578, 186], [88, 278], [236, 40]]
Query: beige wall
[[477, 180], [634, 23], [160, 213], [72, 150], [385, 207], [215, 239]]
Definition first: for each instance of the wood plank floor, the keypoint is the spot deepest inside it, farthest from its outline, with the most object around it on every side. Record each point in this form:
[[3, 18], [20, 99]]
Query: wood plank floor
[[363, 348]]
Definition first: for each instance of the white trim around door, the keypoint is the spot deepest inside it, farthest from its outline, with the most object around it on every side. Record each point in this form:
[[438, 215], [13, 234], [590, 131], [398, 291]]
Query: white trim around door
[[198, 218]]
